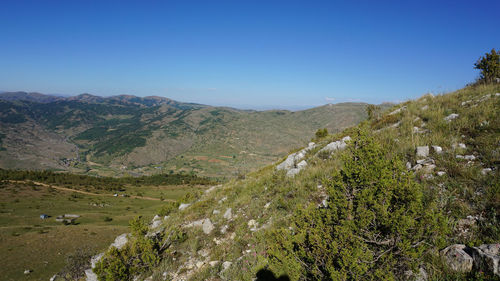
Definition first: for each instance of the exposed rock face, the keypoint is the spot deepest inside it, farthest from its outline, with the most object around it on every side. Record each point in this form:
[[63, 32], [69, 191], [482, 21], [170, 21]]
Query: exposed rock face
[[293, 171], [456, 258], [487, 258], [336, 145], [294, 158], [120, 241], [422, 151], [91, 276]]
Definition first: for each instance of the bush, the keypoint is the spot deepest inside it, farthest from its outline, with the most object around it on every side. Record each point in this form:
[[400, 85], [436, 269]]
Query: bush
[[138, 255], [376, 226], [168, 208], [321, 133]]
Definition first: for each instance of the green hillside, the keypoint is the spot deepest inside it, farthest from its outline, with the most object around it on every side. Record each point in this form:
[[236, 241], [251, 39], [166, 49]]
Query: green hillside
[[128, 135], [380, 205]]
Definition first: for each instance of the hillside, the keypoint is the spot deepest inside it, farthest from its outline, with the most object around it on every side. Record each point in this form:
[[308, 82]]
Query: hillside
[[120, 135], [379, 201]]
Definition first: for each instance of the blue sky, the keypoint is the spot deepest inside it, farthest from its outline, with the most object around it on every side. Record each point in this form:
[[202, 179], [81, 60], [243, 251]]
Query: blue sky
[[256, 54]]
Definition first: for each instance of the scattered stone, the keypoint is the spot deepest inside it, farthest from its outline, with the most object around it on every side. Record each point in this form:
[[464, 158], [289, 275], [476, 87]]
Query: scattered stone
[[421, 275], [222, 199], [466, 102], [456, 258], [267, 205], [458, 156], [485, 171], [53, 278], [437, 149], [470, 157], [27, 271], [233, 235], [226, 265], [422, 151], [408, 165], [441, 173], [207, 226], [425, 107], [213, 263], [223, 229], [183, 206], [429, 168], [252, 224], [215, 212], [199, 264], [451, 117], [228, 214], [211, 188]]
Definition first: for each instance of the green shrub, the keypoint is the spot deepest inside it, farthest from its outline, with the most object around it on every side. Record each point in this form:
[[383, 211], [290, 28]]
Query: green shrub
[[168, 208], [137, 256], [376, 226]]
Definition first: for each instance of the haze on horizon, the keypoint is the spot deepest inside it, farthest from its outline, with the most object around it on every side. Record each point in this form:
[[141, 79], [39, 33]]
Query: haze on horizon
[[245, 54]]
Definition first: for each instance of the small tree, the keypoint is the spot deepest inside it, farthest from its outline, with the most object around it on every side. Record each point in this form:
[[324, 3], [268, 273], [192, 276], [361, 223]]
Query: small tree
[[489, 65]]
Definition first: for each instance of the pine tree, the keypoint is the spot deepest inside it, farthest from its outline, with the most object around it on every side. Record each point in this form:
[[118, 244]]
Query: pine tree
[[489, 65]]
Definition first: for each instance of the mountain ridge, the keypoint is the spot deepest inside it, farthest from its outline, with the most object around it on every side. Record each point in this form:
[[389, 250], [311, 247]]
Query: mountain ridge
[[125, 134]]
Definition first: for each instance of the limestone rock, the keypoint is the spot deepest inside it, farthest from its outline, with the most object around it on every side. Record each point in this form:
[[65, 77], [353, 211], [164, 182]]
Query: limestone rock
[[441, 173], [437, 149], [487, 258], [226, 265], [451, 117], [120, 241], [207, 226], [485, 171], [183, 206], [422, 151], [228, 214], [456, 258], [336, 145], [421, 275]]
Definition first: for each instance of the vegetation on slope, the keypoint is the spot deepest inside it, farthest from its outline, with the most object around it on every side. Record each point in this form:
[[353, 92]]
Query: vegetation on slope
[[368, 212]]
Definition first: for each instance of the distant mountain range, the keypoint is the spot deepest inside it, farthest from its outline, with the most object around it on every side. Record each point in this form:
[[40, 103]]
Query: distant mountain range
[[145, 135]]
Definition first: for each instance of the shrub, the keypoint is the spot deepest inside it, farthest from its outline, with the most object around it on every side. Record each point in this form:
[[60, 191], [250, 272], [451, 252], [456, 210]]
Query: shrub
[[376, 226], [168, 208], [321, 133], [138, 255]]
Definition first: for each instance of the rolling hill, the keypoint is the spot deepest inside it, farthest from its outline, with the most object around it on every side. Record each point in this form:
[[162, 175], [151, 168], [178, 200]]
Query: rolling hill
[[128, 135]]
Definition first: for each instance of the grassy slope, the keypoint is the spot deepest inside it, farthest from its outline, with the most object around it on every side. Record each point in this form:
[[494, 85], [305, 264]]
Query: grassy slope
[[270, 198]]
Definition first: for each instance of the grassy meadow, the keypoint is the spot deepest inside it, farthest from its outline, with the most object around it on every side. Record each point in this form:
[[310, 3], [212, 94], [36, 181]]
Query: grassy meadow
[[42, 245]]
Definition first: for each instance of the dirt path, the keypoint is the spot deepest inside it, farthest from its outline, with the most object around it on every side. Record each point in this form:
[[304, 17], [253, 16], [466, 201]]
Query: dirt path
[[88, 193]]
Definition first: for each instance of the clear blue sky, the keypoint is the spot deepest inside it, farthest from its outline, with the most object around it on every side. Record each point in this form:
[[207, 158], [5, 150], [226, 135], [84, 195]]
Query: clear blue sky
[[245, 53]]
